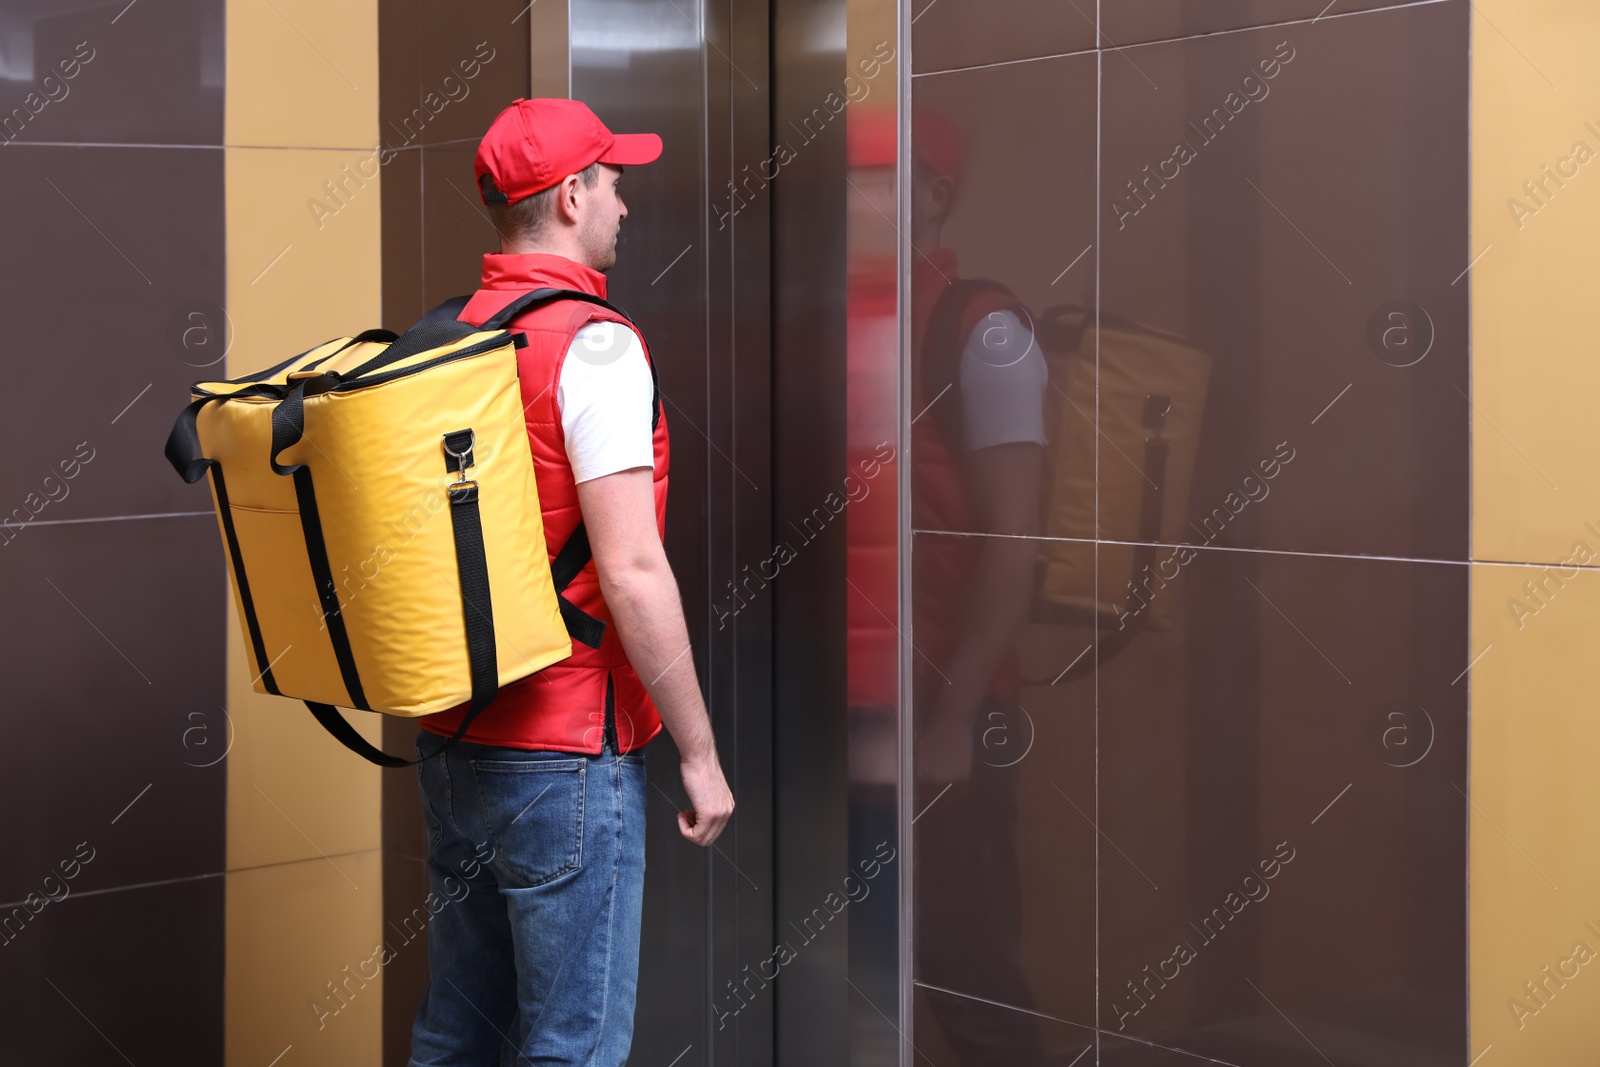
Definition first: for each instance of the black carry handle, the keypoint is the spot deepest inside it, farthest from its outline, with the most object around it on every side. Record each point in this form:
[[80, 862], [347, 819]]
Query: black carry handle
[[183, 443], [417, 339], [378, 335], [288, 425]]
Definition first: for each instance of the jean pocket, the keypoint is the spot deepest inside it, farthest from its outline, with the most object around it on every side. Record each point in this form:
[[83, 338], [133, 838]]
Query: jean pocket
[[533, 812]]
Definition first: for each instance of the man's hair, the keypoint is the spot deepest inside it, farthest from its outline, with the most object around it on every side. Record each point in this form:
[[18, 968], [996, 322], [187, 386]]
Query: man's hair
[[527, 218]]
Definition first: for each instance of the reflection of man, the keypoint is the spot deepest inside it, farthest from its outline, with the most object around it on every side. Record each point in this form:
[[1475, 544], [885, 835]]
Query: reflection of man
[[977, 454]]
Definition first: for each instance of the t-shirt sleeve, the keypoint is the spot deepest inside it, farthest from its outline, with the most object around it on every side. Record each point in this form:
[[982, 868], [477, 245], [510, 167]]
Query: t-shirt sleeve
[[605, 394], [1003, 379]]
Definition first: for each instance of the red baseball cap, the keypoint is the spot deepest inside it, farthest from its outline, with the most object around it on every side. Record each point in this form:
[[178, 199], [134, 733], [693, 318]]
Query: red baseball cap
[[533, 144]]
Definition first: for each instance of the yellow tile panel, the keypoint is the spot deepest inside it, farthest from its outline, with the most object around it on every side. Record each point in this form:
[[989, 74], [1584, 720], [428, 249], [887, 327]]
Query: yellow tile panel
[[302, 73], [294, 793], [304, 265], [1535, 851], [304, 972], [304, 256], [1535, 213]]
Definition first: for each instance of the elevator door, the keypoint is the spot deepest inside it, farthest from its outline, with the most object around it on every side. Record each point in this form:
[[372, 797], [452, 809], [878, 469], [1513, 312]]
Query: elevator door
[[692, 271]]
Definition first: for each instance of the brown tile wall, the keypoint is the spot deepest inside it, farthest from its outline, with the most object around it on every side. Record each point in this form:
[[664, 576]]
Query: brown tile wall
[[113, 636], [1235, 647]]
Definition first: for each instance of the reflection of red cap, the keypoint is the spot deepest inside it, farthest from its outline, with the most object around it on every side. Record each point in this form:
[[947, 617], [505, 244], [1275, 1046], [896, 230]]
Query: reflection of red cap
[[533, 144], [936, 142], [870, 137]]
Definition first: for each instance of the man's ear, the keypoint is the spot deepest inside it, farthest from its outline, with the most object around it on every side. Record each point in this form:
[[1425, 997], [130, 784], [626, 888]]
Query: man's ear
[[567, 204], [941, 194]]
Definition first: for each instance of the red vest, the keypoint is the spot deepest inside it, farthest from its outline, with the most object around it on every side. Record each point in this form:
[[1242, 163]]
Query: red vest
[[561, 708]]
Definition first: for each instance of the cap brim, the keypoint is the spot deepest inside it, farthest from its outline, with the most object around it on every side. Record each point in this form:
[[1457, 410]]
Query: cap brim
[[633, 150]]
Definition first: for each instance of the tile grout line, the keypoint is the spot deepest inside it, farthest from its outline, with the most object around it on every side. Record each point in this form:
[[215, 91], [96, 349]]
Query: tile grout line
[[1534, 564], [123, 888], [210, 147], [19, 527], [188, 878], [1309, 20]]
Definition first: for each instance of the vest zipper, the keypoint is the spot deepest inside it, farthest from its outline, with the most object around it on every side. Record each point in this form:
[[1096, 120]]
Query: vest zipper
[[611, 715]]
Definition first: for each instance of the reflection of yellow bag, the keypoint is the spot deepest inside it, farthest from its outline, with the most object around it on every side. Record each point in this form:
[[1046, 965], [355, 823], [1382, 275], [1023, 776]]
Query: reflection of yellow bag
[[1152, 395], [382, 522]]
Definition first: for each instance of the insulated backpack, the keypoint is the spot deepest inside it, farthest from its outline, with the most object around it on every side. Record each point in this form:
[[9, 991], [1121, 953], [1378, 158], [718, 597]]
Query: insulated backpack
[[1148, 389], [332, 473]]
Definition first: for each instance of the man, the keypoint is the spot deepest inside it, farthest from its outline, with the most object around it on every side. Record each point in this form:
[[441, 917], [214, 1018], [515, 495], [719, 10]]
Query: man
[[536, 820]]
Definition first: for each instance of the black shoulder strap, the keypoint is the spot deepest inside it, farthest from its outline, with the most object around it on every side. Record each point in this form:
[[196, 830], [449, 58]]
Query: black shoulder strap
[[529, 300], [477, 611], [449, 311], [575, 554]]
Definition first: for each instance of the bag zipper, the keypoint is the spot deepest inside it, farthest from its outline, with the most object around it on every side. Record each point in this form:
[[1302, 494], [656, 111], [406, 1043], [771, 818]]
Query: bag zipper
[[353, 383], [611, 715], [416, 368]]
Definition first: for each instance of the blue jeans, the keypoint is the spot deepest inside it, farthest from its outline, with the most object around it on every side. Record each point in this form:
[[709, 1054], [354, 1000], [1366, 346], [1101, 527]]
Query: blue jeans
[[536, 872]]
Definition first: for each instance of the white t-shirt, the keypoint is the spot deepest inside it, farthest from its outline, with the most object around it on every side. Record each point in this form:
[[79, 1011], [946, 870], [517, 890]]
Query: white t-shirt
[[1003, 379], [604, 395]]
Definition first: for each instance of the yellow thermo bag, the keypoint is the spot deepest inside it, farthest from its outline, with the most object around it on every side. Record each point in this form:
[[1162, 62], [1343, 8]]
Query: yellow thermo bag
[[377, 502]]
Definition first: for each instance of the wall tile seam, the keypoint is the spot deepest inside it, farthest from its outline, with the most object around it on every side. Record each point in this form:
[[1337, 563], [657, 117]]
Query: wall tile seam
[[1187, 37], [184, 879], [207, 146], [1238, 548], [376, 850], [1098, 1031], [90, 519]]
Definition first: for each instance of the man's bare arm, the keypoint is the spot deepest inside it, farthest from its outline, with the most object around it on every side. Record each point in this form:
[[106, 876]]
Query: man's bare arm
[[619, 511], [1002, 485]]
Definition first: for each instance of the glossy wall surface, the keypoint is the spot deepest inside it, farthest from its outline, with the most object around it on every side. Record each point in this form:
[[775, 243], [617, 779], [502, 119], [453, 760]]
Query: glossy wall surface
[[112, 211], [1191, 522]]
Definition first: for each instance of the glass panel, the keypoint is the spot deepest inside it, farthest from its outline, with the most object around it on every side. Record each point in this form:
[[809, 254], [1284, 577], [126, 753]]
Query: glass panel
[[1185, 352]]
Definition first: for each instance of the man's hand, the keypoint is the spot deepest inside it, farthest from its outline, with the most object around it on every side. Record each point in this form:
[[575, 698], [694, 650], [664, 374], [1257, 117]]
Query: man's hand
[[711, 803]]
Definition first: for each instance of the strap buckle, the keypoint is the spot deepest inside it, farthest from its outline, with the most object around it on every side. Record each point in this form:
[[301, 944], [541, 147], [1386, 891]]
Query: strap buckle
[[464, 458]]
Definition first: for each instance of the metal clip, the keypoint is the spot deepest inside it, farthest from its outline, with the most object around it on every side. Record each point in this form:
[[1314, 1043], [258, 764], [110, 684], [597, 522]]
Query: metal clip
[[463, 459]]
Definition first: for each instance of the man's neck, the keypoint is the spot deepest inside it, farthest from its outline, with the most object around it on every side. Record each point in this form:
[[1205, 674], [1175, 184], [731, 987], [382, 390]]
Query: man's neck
[[540, 248]]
